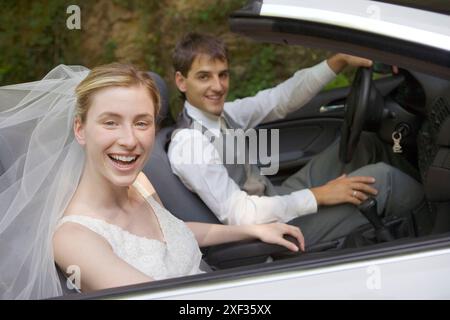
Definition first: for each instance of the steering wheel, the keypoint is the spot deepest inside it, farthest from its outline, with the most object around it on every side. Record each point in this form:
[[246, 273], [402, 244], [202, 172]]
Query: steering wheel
[[364, 103]]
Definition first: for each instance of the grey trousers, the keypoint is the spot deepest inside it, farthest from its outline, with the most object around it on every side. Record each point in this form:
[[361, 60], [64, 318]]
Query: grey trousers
[[398, 192]]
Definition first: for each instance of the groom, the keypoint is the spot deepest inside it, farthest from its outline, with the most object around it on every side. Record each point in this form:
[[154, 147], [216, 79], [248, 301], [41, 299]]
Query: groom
[[321, 198]]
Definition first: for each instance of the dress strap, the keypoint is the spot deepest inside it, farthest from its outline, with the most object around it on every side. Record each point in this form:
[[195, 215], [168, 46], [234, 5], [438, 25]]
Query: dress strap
[[83, 220], [147, 196], [141, 189], [96, 225]]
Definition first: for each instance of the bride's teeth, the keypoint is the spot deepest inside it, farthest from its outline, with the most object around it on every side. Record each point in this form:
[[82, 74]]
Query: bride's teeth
[[123, 158]]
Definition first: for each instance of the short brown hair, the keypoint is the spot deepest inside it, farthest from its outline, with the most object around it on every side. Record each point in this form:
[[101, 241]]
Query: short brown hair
[[193, 44], [113, 75]]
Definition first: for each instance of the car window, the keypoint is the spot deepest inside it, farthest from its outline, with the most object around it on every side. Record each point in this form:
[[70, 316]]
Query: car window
[[257, 66]]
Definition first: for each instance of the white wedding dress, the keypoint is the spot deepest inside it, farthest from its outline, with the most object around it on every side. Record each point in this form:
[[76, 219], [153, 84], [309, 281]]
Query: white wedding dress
[[178, 256]]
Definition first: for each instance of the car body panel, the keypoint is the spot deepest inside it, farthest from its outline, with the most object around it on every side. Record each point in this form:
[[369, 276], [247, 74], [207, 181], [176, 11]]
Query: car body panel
[[411, 271], [414, 276], [335, 33], [389, 20]]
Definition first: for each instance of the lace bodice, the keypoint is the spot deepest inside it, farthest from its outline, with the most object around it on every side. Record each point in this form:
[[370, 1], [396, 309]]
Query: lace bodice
[[178, 256]]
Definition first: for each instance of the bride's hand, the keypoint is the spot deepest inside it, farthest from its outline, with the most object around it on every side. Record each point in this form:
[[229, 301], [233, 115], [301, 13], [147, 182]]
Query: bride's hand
[[274, 232]]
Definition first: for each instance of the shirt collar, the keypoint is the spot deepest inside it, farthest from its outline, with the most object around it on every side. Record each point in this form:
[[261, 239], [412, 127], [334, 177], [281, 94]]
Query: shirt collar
[[209, 121]]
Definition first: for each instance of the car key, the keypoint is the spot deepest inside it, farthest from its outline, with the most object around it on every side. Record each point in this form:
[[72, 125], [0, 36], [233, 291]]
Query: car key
[[397, 137]]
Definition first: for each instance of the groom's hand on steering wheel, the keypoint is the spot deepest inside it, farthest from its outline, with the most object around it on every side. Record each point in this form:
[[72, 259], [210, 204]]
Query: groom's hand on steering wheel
[[354, 61], [339, 61]]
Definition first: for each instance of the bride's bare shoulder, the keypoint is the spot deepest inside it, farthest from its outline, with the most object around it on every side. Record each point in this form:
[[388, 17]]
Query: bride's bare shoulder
[[72, 234], [73, 243]]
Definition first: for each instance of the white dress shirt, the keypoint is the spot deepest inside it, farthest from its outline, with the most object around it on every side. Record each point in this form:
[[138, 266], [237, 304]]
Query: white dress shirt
[[197, 163]]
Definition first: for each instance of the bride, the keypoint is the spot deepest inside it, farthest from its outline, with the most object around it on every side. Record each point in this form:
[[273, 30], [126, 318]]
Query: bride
[[72, 192]]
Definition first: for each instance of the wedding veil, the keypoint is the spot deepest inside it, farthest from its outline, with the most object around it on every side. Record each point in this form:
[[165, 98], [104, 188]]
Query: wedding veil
[[40, 166]]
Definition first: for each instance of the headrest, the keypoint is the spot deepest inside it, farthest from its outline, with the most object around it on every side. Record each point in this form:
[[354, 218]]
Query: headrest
[[164, 93]]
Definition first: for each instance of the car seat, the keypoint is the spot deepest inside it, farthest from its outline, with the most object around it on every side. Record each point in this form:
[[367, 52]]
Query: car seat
[[181, 202], [434, 160]]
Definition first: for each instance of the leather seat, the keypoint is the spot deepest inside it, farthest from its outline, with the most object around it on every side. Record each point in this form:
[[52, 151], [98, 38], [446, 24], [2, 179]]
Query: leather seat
[[434, 151], [181, 202], [434, 161]]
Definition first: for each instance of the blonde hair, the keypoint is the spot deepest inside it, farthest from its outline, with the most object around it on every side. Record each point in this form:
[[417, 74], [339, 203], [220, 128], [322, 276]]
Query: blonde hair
[[113, 75]]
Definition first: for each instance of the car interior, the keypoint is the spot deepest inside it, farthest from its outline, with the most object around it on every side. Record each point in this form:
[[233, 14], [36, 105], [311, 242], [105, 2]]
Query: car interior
[[415, 104]]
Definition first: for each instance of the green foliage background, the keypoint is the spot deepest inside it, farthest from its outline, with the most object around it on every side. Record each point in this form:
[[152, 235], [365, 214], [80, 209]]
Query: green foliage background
[[34, 39]]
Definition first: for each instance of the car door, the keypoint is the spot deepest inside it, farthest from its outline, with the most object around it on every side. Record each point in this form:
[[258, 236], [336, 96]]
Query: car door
[[307, 131]]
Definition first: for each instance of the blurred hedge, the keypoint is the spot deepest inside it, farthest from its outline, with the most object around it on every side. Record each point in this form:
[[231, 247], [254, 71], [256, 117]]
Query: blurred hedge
[[34, 39]]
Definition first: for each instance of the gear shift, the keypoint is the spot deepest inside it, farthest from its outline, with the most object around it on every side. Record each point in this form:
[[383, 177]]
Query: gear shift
[[369, 209]]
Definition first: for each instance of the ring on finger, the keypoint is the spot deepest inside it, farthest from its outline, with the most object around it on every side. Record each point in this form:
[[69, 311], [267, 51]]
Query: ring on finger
[[354, 194]]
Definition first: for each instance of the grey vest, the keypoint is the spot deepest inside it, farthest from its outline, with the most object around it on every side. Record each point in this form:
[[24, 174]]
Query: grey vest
[[246, 176]]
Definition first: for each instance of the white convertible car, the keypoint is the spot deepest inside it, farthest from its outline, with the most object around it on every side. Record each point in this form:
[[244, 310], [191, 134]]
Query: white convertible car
[[414, 261]]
